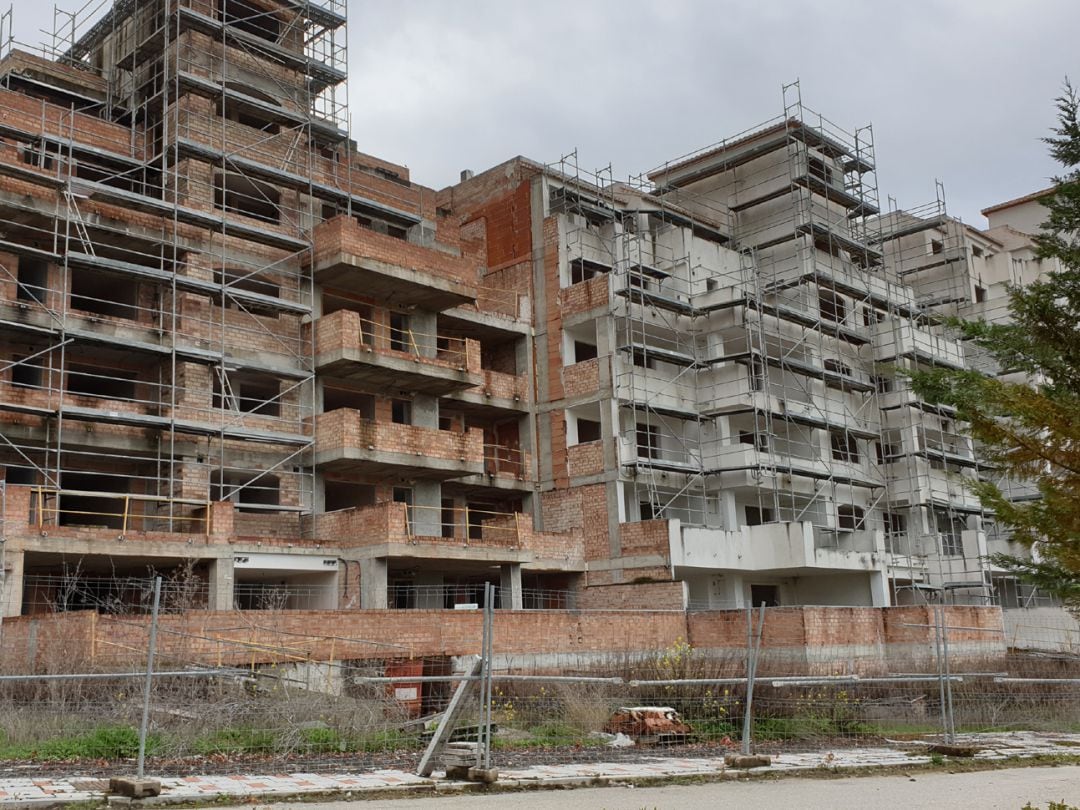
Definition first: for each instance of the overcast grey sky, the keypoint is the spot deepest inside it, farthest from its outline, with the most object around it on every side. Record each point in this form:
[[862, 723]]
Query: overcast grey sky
[[959, 90]]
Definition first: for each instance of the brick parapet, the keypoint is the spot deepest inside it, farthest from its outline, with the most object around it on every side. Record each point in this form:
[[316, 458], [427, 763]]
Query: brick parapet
[[346, 428], [344, 235], [801, 639], [586, 458]]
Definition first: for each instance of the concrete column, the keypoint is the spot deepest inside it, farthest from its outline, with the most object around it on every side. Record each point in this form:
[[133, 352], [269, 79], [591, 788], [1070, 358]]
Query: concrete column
[[222, 584], [423, 326], [373, 591], [510, 587], [11, 584], [879, 589], [729, 511], [427, 512], [425, 411]]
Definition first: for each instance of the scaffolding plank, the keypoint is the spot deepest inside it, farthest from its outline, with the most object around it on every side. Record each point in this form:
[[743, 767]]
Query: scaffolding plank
[[260, 300], [191, 216]]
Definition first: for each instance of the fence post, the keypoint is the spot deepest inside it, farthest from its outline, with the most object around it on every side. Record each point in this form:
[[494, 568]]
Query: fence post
[[483, 747], [753, 647], [941, 650], [950, 718], [149, 678]]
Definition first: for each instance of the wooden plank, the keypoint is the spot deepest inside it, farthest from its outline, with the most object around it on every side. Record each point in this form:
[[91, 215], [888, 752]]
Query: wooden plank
[[446, 726]]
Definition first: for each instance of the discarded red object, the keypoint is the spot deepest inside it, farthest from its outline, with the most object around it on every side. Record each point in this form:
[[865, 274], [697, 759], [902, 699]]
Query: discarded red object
[[657, 723]]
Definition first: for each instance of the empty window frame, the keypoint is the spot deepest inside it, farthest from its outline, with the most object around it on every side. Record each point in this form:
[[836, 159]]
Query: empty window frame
[[844, 446], [584, 351], [588, 430], [768, 595], [248, 490], [248, 393], [583, 270], [238, 194], [33, 277], [106, 383], [400, 337], [759, 440], [401, 411], [831, 306], [850, 518], [104, 294], [758, 515], [648, 441], [250, 18]]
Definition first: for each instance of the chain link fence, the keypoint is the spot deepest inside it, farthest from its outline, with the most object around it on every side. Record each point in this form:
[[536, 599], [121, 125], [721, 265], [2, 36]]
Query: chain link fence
[[262, 689]]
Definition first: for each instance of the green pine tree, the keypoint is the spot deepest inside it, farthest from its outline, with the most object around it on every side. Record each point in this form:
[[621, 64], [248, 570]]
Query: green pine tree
[[1032, 430]]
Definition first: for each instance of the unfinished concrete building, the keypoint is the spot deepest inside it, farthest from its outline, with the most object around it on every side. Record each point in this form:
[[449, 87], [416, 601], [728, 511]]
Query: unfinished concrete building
[[717, 348], [238, 352]]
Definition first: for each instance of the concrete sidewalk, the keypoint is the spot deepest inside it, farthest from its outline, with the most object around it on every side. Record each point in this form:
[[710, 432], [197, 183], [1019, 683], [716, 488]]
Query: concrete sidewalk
[[28, 792]]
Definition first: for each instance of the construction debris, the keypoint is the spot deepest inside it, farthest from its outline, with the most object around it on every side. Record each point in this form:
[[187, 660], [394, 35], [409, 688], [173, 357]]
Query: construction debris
[[652, 724]]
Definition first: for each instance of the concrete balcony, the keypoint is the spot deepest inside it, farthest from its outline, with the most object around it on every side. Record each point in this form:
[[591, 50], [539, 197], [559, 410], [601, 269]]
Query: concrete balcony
[[916, 482], [504, 468], [347, 442], [664, 391], [396, 530], [894, 339], [352, 348], [357, 260], [728, 390], [743, 457], [788, 548], [496, 389]]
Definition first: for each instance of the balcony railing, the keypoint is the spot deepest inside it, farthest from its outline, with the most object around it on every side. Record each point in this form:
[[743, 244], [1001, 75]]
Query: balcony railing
[[346, 434], [121, 511]]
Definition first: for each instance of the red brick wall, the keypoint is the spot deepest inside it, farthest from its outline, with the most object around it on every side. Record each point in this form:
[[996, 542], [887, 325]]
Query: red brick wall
[[344, 235], [586, 458], [79, 641], [582, 378], [644, 537], [585, 295], [345, 428]]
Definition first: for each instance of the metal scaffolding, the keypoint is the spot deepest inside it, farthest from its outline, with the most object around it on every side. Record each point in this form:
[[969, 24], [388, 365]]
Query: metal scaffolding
[[175, 159]]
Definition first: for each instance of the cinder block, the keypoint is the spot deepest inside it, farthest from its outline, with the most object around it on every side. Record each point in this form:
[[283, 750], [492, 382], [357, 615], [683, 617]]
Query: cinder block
[[486, 775], [747, 761], [133, 787]]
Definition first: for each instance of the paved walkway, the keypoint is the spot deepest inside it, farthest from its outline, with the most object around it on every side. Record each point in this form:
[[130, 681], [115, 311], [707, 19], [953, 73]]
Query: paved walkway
[[30, 791]]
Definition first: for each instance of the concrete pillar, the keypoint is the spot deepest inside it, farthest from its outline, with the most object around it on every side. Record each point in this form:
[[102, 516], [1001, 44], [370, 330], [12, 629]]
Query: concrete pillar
[[373, 591], [510, 587], [11, 583], [222, 584], [879, 589], [425, 411], [427, 511], [423, 326], [729, 511]]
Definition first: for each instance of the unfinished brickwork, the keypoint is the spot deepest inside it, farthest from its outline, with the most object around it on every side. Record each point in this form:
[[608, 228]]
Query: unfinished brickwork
[[240, 353]]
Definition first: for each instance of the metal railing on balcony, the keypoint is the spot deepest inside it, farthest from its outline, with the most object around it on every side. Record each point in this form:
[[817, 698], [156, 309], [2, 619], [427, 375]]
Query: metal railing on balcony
[[416, 344], [463, 524], [504, 461], [121, 511], [450, 597]]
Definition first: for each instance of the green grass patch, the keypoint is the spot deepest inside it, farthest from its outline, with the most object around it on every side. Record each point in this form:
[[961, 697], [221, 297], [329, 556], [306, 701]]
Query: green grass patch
[[234, 741], [106, 742]]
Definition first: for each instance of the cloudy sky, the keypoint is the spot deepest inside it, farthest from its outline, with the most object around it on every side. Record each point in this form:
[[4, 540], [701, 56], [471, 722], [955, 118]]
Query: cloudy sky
[[956, 90]]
